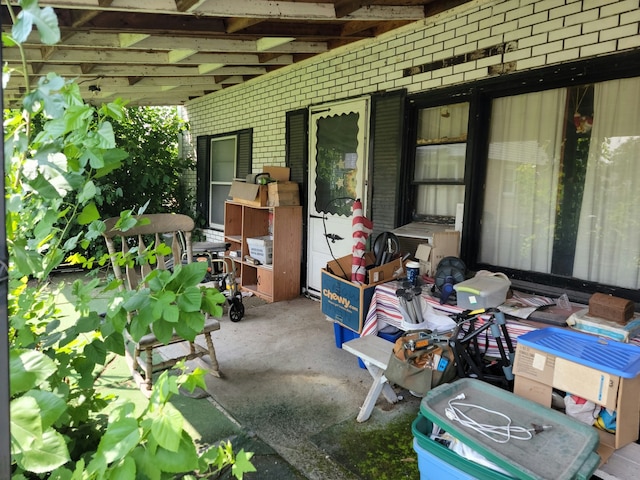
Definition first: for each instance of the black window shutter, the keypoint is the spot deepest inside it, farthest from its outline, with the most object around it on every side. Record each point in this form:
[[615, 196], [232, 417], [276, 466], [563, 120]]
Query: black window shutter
[[245, 151], [387, 127], [297, 148], [203, 145]]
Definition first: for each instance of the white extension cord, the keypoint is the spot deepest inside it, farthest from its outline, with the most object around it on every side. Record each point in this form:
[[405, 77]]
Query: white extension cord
[[497, 433]]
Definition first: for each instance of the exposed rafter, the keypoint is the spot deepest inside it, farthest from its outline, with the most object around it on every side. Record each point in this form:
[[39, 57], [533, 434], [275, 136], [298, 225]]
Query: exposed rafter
[[169, 51]]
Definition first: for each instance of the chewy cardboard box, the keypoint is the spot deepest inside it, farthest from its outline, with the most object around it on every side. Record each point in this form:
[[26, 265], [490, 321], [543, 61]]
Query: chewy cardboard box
[[346, 302], [537, 373]]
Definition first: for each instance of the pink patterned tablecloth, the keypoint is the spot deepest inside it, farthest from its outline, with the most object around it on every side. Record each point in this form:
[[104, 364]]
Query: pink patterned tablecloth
[[385, 310]]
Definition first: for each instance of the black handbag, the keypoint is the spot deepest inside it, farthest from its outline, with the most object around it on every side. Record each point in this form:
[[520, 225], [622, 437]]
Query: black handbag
[[420, 362]]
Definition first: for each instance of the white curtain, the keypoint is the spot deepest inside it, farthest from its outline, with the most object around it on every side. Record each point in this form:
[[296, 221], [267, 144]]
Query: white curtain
[[522, 177], [608, 245]]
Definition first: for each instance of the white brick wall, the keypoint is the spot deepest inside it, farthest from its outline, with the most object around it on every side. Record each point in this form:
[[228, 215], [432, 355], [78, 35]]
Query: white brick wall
[[545, 32]]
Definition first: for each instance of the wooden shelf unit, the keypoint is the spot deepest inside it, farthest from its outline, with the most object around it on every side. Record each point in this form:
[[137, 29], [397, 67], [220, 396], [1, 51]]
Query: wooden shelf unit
[[280, 280]]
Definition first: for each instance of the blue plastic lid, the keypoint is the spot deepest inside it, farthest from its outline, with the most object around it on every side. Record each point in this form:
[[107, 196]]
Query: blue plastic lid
[[622, 359]]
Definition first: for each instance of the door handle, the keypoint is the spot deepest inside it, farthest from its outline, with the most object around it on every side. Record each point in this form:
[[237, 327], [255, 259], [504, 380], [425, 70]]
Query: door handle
[[333, 237]]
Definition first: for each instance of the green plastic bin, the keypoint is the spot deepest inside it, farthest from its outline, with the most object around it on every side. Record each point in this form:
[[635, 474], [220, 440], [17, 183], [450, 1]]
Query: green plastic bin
[[421, 428], [566, 451]]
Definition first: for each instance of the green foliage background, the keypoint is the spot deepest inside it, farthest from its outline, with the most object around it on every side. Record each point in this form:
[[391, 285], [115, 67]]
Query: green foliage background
[[154, 172]]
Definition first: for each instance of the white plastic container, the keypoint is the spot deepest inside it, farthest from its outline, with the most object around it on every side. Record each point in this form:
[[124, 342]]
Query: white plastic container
[[482, 291], [261, 248]]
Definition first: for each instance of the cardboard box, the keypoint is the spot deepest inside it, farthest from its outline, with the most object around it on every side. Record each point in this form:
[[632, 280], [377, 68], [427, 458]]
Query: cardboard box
[[249, 193], [283, 193], [280, 174], [445, 244], [256, 195], [537, 373], [347, 303]]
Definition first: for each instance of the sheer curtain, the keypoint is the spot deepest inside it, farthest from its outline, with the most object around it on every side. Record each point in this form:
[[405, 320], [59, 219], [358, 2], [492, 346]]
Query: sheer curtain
[[522, 176], [608, 245]]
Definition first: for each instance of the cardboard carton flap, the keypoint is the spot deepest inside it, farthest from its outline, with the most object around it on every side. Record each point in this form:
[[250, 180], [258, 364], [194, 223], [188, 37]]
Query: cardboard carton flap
[[248, 191], [281, 174]]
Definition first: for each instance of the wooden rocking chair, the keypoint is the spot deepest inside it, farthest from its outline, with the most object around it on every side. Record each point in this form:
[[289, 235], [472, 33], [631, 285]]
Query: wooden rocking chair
[[165, 228]]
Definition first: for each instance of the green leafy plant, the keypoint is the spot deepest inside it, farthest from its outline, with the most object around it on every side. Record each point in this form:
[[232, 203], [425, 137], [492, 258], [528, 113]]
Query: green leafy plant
[[62, 427]]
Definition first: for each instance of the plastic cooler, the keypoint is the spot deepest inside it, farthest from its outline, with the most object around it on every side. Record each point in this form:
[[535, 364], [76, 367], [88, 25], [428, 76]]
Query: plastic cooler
[[566, 451], [437, 462]]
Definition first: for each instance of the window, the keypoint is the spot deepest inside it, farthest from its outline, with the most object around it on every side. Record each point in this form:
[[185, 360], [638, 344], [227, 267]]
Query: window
[[440, 162], [222, 171], [221, 158], [562, 190]]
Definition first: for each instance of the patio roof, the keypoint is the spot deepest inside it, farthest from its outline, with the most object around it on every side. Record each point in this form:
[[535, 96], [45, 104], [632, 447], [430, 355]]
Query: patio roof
[[165, 52]]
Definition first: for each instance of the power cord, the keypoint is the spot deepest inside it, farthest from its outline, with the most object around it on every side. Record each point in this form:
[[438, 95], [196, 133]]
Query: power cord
[[497, 433]]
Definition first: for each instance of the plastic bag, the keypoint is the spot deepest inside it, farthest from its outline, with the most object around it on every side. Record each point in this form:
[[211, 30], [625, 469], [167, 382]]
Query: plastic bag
[[581, 409]]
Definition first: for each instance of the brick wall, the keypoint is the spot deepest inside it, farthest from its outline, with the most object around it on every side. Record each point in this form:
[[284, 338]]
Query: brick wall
[[476, 40]]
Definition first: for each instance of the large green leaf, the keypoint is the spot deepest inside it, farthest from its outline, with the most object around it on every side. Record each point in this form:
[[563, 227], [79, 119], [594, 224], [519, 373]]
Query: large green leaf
[[120, 439], [26, 424], [47, 23], [46, 455], [171, 313], [96, 351], [124, 470], [188, 275], [163, 330], [51, 406], [167, 427], [184, 459], [28, 369], [190, 299], [89, 214], [195, 320]]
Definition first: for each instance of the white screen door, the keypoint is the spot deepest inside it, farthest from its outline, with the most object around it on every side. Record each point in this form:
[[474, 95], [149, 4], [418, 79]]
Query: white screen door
[[338, 138]]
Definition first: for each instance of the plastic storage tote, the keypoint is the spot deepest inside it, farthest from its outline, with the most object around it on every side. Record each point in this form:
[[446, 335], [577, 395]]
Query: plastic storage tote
[[483, 291], [433, 468], [616, 358], [437, 462], [565, 451]]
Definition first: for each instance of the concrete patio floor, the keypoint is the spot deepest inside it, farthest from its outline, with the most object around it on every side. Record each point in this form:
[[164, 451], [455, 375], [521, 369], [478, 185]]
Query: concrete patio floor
[[286, 383], [291, 397]]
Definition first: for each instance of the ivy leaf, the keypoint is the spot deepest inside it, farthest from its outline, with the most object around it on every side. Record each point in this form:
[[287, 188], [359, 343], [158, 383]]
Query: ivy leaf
[[242, 464], [167, 427]]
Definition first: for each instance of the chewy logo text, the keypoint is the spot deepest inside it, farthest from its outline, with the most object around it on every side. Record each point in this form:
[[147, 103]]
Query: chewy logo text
[[344, 302]]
